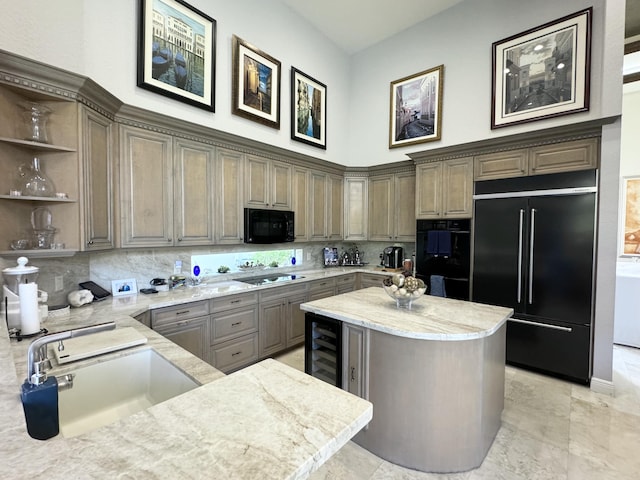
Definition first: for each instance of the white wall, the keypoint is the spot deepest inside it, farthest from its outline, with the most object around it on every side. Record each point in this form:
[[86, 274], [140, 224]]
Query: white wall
[[630, 142], [461, 39], [99, 39]]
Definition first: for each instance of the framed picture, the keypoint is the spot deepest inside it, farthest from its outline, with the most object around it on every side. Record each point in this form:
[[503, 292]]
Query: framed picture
[[127, 286], [177, 52], [416, 108], [308, 109], [543, 72], [631, 212], [255, 84]]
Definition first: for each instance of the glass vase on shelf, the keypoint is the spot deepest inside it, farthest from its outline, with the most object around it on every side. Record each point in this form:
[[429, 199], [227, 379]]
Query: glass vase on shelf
[[35, 117], [34, 182]]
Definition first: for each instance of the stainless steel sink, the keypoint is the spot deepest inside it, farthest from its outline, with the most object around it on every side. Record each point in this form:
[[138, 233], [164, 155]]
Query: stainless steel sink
[[108, 391]]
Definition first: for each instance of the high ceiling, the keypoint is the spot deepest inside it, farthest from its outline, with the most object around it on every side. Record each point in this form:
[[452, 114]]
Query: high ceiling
[[355, 25]]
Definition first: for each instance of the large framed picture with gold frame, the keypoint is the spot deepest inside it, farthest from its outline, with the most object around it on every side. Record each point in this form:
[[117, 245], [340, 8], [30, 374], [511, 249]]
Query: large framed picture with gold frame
[[631, 213], [416, 108], [255, 84]]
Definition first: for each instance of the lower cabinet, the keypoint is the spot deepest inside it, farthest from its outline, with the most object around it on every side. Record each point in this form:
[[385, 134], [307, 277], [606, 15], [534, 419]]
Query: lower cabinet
[[367, 280], [322, 289], [234, 331], [355, 360], [281, 320], [345, 283], [190, 334]]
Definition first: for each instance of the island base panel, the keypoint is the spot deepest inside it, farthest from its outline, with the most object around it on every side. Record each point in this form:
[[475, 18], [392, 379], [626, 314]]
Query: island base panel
[[437, 404]]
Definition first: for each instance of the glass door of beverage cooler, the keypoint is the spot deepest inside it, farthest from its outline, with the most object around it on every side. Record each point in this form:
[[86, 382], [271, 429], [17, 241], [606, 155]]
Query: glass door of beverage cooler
[[323, 348]]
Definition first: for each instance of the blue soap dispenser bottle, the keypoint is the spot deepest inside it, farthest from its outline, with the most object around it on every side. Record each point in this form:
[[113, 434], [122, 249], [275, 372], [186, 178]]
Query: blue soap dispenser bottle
[[40, 404]]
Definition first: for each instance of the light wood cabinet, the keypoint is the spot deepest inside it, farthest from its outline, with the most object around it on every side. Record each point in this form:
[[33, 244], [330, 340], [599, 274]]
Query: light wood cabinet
[[146, 186], [392, 207], [355, 208], [335, 211], [445, 189], [193, 203], [268, 183], [295, 319], [186, 325], [229, 197], [235, 354], [301, 203], [366, 280], [552, 158], [345, 283], [322, 289], [281, 320], [318, 208], [167, 196], [97, 186], [58, 160], [355, 360]]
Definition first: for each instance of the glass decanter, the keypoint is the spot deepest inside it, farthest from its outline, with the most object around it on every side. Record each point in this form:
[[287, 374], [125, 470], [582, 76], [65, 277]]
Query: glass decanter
[[35, 182]]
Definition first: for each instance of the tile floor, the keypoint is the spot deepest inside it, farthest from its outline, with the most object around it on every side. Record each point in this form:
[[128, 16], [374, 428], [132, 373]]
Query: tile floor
[[551, 429]]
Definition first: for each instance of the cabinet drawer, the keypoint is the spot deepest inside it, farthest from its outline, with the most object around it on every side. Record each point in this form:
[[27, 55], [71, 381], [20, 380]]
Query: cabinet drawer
[[233, 323], [164, 316], [235, 353], [284, 291], [371, 280], [346, 279], [233, 301]]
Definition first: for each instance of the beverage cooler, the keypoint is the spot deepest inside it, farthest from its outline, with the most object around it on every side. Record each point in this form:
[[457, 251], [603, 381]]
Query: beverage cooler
[[323, 348]]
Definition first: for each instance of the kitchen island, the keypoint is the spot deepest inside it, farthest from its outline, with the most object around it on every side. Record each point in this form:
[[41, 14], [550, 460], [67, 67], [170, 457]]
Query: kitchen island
[[434, 373]]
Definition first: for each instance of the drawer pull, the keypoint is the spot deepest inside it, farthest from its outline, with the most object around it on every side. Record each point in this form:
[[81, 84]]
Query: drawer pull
[[237, 353], [182, 312], [234, 301], [236, 324]]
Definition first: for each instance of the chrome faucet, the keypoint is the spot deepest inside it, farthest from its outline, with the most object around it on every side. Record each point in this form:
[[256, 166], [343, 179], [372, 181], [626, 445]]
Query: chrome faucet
[[37, 360]]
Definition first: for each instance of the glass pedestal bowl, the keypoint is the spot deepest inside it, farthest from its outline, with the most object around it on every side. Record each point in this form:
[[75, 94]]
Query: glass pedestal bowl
[[403, 297]]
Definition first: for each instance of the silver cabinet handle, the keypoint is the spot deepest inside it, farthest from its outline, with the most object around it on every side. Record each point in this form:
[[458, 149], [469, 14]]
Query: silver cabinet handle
[[520, 255], [533, 228], [543, 325], [353, 374]]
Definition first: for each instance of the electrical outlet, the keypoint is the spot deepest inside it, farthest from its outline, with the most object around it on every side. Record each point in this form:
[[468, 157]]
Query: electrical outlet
[[58, 283], [308, 256]]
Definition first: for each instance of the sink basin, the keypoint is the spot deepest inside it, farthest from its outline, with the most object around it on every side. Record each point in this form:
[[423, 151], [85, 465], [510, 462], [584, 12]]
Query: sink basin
[[108, 391]]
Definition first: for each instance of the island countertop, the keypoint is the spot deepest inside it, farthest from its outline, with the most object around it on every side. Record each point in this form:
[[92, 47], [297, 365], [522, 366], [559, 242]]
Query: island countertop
[[430, 318]]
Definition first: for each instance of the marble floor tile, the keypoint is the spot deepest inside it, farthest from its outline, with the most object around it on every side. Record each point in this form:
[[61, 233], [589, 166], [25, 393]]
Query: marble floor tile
[[551, 430]]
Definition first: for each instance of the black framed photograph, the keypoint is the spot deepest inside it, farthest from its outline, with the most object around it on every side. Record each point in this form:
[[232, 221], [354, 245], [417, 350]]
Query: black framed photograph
[[543, 72], [255, 84], [416, 108], [177, 52], [308, 109]]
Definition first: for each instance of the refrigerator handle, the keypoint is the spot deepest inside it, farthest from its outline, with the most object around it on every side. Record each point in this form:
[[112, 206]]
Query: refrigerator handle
[[533, 227], [520, 255]]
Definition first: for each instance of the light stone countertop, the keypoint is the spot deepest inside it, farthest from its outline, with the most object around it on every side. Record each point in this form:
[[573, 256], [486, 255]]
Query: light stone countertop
[[265, 421], [430, 318]]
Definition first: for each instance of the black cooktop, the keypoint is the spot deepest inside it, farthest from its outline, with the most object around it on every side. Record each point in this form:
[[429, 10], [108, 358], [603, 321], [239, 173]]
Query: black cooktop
[[269, 279]]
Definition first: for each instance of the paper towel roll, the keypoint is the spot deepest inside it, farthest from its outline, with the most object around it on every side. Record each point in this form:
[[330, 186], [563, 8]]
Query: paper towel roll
[[29, 312]]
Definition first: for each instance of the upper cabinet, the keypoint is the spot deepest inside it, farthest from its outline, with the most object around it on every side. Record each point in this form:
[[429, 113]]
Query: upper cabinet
[[355, 208], [267, 183], [391, 211], [445, 189], [98, 185], [229, 196], [538, 160], [301, 203], [325, 208], [167, 190]]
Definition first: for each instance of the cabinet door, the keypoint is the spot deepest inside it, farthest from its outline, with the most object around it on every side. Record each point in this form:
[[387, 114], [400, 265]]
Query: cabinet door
[[272, 333], [564, 157], [193, 190], [380, 215], [301, 203], [318, 207], [513, 163], [322, 289], [429, 190], [336, 208], [97, 163], [146, 188], [256, 185], [192, 335], [228, 197], [457, 188], [355, 208], [403, 208], [280, 185], [355, 377], [295, 319]]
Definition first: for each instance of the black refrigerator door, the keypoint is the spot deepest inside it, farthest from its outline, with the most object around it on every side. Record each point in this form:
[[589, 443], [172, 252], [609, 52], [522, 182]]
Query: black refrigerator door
[[560, 258], [498, 258]]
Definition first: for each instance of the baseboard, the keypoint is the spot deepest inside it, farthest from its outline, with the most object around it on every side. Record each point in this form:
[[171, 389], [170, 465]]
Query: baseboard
[[602, 386]]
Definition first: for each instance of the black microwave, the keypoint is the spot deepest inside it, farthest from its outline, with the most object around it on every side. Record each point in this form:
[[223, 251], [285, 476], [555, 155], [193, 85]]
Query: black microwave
[[268, 226]]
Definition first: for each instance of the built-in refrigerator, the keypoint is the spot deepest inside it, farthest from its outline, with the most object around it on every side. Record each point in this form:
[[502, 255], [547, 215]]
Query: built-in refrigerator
[[533, 251]]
